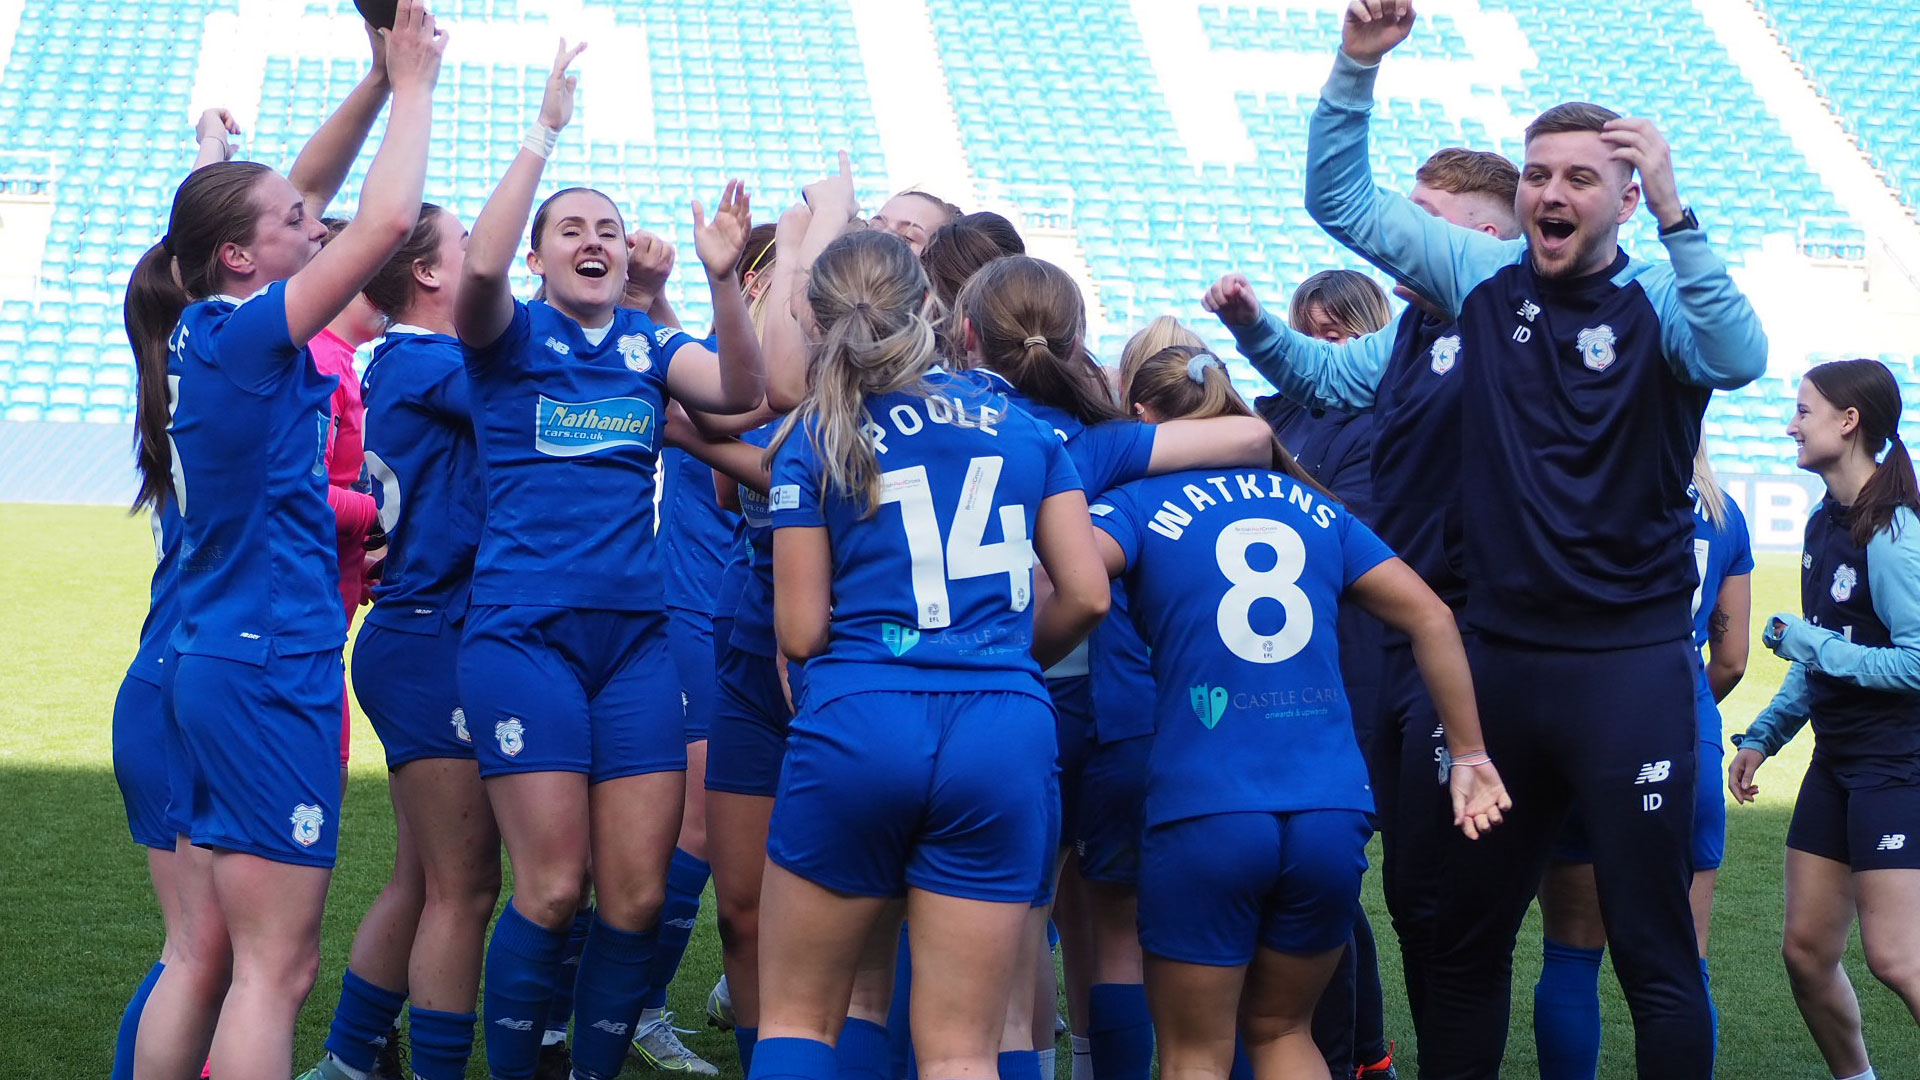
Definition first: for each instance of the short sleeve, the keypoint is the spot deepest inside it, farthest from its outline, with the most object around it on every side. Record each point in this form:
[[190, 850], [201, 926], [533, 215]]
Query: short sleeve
[[668, 341], [1116, 514], [447, 396], [1061, 475], [511, 342], [1739, 540], [252, 346], [1112, 453], [793, 498], [1360, 550]]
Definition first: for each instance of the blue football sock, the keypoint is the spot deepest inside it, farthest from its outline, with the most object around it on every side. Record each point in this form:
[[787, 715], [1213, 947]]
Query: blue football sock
[[1713, 1011], [361, 1021], [744, 1039], [686, 880], [130, 1024], [793, 1059], [1566, 1012], [561, 1011], [442, 1043], [1119, 1031], [606, 998], [863, 1050], [900, 1013], [1019, 1065], [522, 958]]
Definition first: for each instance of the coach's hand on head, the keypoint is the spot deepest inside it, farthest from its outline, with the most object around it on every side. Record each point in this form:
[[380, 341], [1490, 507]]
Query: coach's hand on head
[[1373, 27], [1232, 299], [1635, 141]]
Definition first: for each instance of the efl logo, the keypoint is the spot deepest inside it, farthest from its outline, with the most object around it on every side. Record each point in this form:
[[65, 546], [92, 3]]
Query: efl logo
[[1892, 842], [1653, 772]]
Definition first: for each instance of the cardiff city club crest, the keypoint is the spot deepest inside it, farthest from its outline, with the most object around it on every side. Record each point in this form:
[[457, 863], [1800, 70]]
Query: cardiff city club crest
[[1445, 351], [636, 351], [306, 824], [460, 725], [1596, 347], [1844, 579], [511, 735]]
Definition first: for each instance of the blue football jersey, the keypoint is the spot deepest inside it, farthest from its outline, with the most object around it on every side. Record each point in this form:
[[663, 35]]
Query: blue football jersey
[[933, 591], [753, 601], [427, 476], [570, 433], [1718, 554], [1235, 579], [163, 594], [695, 533], [259, 570]]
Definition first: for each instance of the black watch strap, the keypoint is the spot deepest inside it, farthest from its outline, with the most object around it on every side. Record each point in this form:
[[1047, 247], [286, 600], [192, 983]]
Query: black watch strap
[[1687, 221]]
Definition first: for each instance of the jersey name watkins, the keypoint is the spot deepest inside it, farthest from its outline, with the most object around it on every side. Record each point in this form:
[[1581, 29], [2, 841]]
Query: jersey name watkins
[[1172, 519], [908, 420], [570, 429]]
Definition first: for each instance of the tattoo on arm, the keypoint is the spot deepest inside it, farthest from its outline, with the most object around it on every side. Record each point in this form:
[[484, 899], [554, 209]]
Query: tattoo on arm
[[1717, 624]]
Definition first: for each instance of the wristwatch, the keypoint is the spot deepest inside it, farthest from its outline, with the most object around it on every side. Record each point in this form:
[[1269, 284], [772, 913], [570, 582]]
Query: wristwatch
[[1687, 221]]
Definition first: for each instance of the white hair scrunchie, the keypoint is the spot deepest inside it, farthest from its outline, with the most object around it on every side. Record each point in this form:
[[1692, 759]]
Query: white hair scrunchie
[[1197, 367]]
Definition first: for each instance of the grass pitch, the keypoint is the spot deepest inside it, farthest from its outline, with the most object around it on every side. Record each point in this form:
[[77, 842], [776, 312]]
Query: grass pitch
[[81, 926]]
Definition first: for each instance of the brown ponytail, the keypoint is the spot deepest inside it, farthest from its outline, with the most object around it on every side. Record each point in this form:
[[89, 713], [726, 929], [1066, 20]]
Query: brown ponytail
[[211, 209], [1869, 388], [1186, 382], [1028, 320]]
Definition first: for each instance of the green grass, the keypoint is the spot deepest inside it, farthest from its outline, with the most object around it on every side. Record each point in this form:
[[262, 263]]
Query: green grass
[[81, 926]]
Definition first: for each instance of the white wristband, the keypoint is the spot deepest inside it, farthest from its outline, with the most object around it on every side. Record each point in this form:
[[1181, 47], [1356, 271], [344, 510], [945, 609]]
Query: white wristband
[[540, 141]]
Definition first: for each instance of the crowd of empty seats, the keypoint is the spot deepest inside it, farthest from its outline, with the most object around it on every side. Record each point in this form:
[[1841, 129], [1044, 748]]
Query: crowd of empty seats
[[1059, 111]]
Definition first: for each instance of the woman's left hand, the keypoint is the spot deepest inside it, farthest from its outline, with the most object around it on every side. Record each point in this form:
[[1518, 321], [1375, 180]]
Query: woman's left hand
[[719, 242]]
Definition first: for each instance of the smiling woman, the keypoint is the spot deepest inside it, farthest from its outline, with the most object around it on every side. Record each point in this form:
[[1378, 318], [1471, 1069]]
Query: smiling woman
[[564, 670]]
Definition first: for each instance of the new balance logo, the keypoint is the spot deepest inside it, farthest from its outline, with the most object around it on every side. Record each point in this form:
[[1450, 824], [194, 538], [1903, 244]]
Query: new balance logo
[[1892, 842], [1653, 772], [515, 1025], [611, 1027], [683, 924]]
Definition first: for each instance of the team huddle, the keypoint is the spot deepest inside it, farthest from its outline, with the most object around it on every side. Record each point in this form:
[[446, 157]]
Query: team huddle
[[949, 640]]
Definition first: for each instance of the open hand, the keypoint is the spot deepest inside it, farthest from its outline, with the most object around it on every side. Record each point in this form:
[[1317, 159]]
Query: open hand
[[1637, 142], [556, 105], [1233, 299], [1740, 774], [1372, 28], [719, 242], [414, 47], [1479, 797]]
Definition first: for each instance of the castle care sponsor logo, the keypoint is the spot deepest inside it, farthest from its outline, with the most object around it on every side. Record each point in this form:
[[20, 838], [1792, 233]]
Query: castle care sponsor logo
[[570, 429]]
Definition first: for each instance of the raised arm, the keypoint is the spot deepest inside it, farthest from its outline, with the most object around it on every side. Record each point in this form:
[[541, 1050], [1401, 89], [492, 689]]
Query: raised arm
[[782, 344], [390, 202], [649, 265], [733, 379], [483, 304], [740, 462], [1395, 595], [1218, 442], [328, 157], [1442, 261], [213, 137], [1314, 373]]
